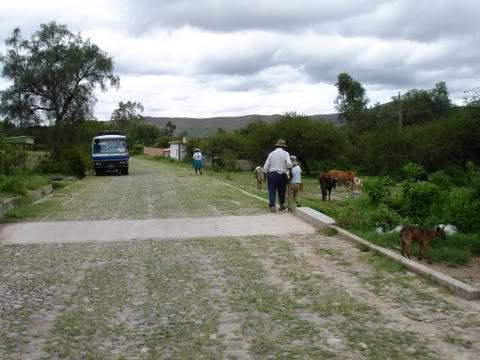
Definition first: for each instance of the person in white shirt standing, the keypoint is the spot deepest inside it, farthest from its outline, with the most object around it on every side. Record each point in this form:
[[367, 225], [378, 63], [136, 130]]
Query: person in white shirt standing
[[197, 161], [295, 184], [276, 169]]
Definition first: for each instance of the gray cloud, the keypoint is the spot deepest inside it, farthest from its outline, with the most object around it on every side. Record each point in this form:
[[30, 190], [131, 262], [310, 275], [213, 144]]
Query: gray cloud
[[224, 15], [208, 56]]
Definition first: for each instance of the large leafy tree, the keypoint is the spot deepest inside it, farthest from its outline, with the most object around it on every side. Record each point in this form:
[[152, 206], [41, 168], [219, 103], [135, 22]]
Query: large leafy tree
[[311, 141], [127, 114], [169, 129], [128, 118], [422, 106], [352, 97], [54, 76]]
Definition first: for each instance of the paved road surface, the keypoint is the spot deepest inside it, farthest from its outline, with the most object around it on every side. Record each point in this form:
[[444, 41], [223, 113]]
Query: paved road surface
[[295, 295]]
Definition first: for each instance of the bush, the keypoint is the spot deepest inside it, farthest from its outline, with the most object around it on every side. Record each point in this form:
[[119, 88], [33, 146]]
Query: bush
[[385, 217], [475, 185], [377, 189], [7, 159], [419, 199], [137, 149], [458, 208], [78, 161], [12, 185], [412, 171], [441, 179], [72, 161], [216, 167]]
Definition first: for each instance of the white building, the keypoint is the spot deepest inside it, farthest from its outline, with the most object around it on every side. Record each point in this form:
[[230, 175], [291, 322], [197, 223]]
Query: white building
[[178, 150]]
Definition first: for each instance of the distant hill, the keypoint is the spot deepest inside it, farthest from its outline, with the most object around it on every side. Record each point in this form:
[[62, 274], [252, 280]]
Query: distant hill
[[201, 127]]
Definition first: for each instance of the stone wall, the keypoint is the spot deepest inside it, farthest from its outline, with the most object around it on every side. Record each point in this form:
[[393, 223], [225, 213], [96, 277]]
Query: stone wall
[[10, 204], [153, 151], [247, 165]]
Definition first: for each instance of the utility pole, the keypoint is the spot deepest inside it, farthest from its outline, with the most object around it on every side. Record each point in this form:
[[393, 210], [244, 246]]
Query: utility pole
[[400, 120]]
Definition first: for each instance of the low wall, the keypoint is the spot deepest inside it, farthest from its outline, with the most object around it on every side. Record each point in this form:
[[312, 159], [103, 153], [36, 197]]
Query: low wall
[[247, 165], [152, 151], [10, 204]]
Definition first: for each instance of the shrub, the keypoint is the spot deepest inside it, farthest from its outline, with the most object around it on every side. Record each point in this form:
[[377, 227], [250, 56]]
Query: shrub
[[216, 167], [377, 189], [411, 171], [77, 160], [137, 149], [475, 185], [418, 200], [12, 185], [7, 159], [441, 179], [385, 217], [458, 208], [72, 161]]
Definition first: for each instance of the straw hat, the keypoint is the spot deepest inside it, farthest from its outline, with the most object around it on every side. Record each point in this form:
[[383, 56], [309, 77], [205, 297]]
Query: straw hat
[[293, 158], [281, 143], [196, 149]]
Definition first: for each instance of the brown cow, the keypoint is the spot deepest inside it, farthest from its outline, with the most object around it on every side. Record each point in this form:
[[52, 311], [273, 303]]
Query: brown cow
[[346, 178], [327, 182]]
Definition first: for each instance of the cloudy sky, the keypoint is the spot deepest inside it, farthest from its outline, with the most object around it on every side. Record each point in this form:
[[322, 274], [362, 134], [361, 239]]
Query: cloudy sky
[[204, 58]]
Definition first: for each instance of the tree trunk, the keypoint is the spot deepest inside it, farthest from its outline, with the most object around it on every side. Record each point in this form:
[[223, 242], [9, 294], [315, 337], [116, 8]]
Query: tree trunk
[[57, 138]]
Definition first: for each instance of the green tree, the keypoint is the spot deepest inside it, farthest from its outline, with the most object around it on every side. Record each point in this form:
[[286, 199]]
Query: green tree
[[351, 99], [440, 97], [311, 141], [54, 76], [458, 140], [422, 106], [168, 129], [141, 133], [127, 114]]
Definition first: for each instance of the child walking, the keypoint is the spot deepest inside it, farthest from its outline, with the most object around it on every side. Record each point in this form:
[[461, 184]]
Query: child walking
[[295, 184]]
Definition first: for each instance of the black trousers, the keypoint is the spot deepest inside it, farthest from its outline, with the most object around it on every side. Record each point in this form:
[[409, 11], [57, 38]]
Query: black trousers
[[277, 183]]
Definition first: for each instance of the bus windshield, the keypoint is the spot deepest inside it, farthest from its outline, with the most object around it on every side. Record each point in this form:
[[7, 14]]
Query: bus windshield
[[110, 146]]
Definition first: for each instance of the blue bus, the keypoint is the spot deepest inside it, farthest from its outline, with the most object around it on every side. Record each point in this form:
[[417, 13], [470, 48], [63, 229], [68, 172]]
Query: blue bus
[[110, 153]]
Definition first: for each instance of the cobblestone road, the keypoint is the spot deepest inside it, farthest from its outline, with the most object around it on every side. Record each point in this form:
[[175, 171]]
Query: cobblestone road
[[304, 296]]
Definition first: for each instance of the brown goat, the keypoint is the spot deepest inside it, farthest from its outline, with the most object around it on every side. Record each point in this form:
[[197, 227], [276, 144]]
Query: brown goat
[[424, 237]]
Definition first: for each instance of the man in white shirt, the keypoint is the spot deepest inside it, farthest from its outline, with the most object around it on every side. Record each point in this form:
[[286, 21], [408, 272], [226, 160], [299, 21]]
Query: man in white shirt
[[276, 169], [197, 161]]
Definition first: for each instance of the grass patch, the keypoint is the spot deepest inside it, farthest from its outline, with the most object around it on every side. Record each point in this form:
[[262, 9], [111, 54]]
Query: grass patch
[[18, 185], [344, 315], [25, 210], [268, 313], [328, 231], [456, 250], [363, 247], [382, 263]]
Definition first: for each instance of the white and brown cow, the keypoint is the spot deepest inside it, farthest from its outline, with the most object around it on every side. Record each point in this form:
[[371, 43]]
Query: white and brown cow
[[259, 176]]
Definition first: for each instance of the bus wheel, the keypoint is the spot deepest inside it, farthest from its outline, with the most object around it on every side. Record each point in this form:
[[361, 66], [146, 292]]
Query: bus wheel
[[125, 171], [99, 172]]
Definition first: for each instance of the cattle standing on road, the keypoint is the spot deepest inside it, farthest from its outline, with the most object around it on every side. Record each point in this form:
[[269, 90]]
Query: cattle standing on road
[[259, 176], [327, 182]]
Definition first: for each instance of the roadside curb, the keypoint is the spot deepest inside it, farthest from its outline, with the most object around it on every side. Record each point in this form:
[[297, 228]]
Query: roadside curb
[[9, 205], [456, 286]]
